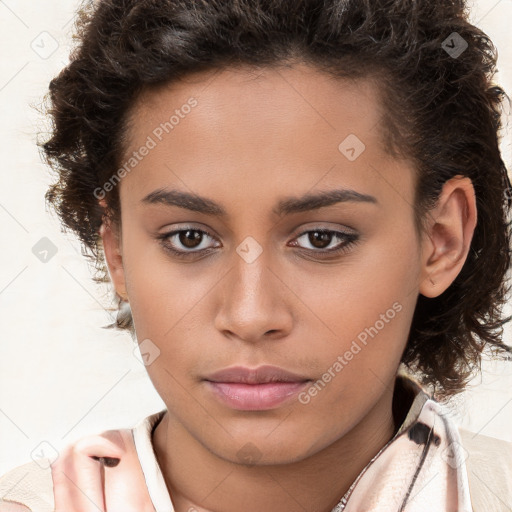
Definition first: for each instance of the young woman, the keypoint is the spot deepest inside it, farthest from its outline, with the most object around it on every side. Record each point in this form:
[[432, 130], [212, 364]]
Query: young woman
[[303, 211]]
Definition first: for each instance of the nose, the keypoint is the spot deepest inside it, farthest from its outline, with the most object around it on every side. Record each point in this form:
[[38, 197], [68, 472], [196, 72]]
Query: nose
[[254, 302]]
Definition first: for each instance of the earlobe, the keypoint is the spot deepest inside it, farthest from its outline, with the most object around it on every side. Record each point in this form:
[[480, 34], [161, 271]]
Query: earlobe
[[114, 258], [446, 243]]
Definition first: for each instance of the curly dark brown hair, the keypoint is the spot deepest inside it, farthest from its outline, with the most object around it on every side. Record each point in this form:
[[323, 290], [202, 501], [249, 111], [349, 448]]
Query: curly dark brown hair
[[443, 112]]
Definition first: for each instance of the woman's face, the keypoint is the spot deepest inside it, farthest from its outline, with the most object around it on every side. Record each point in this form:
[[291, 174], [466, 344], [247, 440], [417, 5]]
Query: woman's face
[[245, 167]]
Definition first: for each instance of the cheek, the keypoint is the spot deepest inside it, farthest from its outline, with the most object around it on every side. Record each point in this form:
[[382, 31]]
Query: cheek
[[169, 314], [160, 291], [376, 284], [366, 311]]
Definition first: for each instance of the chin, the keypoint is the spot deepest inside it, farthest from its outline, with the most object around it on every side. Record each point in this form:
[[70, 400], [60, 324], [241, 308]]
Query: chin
[[263, 451]]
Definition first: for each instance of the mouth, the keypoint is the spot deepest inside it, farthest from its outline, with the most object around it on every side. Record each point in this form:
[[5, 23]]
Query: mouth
[[262, 388]]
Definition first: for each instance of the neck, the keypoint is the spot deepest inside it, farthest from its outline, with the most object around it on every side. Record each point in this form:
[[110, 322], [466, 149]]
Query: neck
[[199, 480]]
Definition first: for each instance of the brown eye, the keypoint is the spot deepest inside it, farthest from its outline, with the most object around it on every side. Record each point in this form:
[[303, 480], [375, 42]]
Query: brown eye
[[186, 242], [320, 239], [190, 238]]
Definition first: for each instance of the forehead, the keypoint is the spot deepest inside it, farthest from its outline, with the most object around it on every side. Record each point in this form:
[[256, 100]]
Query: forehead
[[252, 127], [262, 99]]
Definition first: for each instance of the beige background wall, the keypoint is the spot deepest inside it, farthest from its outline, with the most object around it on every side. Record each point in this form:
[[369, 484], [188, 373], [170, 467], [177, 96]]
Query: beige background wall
[[61, 375]]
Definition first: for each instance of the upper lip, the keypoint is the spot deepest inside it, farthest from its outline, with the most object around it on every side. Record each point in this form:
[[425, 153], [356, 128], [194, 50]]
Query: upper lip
[[259, 375]]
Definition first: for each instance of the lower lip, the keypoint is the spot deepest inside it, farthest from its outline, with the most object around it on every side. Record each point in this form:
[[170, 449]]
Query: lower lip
[[256, 397]]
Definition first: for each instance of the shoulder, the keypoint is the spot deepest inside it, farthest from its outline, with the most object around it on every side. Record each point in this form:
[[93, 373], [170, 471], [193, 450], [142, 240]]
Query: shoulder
[[489, 469], [27, 487], [30, 487]]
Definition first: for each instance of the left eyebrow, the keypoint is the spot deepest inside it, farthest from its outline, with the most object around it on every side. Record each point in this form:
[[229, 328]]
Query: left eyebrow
[[286, 206], [322, 199]]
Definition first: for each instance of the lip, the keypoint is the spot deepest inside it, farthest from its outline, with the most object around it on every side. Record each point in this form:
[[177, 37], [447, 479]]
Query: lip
[[260, 375], [262, 388]]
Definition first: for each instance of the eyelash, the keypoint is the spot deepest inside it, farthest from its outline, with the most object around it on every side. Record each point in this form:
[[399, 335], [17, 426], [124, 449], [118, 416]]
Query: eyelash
[[350, 240]]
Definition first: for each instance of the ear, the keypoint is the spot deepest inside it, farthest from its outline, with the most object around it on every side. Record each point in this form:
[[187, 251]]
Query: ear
[[113, 255], [447, 240]]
